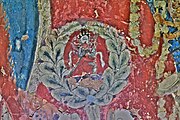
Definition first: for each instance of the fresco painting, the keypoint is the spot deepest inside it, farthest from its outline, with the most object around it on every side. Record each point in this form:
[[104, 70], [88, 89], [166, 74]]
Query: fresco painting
[[89, 59]]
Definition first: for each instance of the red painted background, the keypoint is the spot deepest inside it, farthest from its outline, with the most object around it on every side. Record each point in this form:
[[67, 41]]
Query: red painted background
[[140, 94]]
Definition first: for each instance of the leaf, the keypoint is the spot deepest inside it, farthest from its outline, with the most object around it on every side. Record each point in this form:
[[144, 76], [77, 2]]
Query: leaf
[[58, 51], [93, 92], [108, 77], [177, 99], [102, 91], [169, 85], [134, 17], [113, 60], [117, 87], [69, 28], [75, 116], [106, 99], [122, 115], [136, 42], [135, 34], [45, 54], [47, 68], [66, 72], [63, 39], [121, 46], [104, 34], [113, 34], [60, 68], [169, 82], [66, 116], [76, 102], [49, 81], [124, 58], [50, 42], [81, 92], [92, 112], [169, 91], [111, 46], [66, 85], [123, 73], [61, 94], [134, 8]]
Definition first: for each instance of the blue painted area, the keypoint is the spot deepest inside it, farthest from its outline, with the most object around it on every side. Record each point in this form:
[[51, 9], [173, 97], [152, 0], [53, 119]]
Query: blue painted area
[[151, 5], [175, 44], [168, 16], [172, 29], [175, 49], [23, 19], [90, 98]]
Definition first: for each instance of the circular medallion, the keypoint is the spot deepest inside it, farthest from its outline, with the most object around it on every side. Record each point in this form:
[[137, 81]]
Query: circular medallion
[[84, 64]]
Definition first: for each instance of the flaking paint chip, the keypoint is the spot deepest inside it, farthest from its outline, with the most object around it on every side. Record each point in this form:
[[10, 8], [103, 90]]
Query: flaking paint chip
[[24, 37], [3, 71]]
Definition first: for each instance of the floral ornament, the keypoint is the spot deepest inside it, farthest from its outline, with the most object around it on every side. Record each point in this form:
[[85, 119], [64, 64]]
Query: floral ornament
[[134, 31], [54, 74], [170, 85]]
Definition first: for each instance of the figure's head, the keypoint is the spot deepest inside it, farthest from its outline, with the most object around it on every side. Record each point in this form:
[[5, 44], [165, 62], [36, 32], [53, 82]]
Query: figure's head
[[84, 36]]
